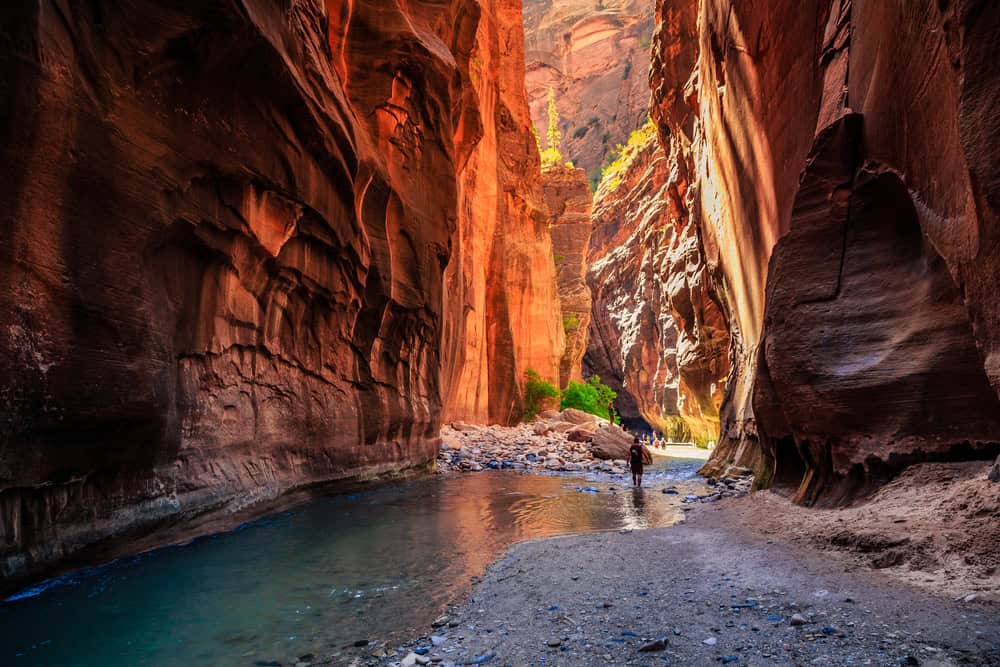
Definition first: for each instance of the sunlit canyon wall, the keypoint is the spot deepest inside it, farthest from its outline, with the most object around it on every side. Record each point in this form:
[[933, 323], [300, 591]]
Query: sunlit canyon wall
[[237, 252], [845, 185], [594, 57]]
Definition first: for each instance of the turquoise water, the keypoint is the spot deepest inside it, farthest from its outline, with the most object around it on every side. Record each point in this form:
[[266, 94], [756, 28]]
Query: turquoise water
[[376, 566]]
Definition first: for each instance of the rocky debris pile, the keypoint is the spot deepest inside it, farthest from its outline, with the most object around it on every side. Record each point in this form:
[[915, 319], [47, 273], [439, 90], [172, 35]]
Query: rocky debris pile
[[567, 441]]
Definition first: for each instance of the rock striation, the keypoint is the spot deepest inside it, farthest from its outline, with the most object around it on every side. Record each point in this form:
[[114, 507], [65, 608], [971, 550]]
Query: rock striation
[[850, 225], [657, 336], [595, 58], [235, 247], [569, 201]]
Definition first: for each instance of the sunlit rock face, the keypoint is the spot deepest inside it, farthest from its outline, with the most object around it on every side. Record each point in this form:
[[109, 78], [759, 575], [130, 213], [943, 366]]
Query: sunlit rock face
[[502, 301], [569, 200], [657, 336], [595, 58], [222, 273], [850, 223]]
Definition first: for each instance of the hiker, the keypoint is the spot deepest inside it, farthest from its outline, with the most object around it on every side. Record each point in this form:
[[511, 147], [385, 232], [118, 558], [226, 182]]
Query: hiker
[[636, 460]]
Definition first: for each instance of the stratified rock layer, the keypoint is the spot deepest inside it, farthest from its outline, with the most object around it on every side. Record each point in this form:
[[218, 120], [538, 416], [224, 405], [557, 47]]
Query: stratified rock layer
[[594, 56], [657, 337], [222, 266], [851, 223], [567, 194]]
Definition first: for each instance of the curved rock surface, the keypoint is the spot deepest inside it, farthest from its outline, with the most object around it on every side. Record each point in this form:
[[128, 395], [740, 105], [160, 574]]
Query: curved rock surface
[[595, 58], [850, 222], [569, 201], [222, 274], [658, 337]]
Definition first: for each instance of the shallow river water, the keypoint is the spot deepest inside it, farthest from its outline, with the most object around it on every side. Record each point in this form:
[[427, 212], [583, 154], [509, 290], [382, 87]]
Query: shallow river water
[[377, 565]]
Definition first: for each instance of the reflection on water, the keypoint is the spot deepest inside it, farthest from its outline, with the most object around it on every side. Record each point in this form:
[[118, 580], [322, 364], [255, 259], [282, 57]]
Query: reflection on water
[[377, 565]]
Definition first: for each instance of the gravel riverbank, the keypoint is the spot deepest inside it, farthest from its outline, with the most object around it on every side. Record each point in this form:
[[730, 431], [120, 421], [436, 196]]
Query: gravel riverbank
[[707, 592]]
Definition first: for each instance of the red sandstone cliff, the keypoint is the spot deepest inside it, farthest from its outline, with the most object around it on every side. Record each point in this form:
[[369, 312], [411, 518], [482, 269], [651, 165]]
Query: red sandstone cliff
[[567, 194], [657, 335], [222, 267], [595, 57], [501, 296], [846, 200]]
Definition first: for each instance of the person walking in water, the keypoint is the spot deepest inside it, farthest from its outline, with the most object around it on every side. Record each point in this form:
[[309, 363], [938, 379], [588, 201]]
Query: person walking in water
[[636, 460]]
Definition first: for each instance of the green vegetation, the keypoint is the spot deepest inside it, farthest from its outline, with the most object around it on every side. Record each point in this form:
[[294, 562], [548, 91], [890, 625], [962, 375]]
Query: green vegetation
[[551, 154], [591, 396], [571, 323], [536, 393], [622, 156]]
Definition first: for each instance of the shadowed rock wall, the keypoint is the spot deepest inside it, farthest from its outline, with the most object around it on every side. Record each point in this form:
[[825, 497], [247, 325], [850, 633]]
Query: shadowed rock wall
[[221, 270], [845, 199], [657, 335]]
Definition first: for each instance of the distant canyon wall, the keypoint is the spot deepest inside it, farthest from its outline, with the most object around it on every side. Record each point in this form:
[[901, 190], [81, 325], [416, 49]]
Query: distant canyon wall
[[239, 247], [657, 335], [845, 184], [594, 56], [569, 202]]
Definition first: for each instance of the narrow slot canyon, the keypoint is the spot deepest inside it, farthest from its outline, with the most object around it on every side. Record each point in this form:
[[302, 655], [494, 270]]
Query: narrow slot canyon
[[513, 332]]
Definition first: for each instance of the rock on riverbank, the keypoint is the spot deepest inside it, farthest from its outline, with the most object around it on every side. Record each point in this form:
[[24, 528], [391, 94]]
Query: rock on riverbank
[[567, 441]]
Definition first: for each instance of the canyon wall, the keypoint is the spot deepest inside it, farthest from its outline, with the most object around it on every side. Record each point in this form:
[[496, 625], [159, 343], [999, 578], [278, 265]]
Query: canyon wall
[[845, 195], [222, 269], [569, 201], [502, 300], [657, 335], [595, 58]]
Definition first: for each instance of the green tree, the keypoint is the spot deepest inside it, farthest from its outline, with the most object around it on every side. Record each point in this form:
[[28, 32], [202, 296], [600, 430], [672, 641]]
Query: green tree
[[551, 155], [536, 392], [592, 396]]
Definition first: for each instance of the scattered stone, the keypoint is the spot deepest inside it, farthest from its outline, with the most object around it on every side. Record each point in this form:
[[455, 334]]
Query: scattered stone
[[711, 641], [655, 645], [729, 658], [437, 640], [484, 658], [797, 619], [410, 660], [553, 643], [440, 621]]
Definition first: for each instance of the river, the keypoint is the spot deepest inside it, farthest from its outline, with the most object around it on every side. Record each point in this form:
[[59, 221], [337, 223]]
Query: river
[[377, 566]]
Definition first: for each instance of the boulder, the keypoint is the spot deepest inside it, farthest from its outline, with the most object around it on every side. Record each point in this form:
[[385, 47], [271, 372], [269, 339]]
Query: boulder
[[551, 415], [579, 434], [610, 442], [563, 427], [575, 416], [994, 475]]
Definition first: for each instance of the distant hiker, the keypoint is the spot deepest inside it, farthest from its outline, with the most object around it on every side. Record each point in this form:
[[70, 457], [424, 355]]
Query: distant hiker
[[611, 412], [636, 460]]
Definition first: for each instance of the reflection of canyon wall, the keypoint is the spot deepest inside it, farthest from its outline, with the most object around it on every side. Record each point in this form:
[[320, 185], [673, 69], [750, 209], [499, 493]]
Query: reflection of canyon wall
[[846, 196], [595, 57], [503, 305], [222, 265], [567, 194], [657, 337]]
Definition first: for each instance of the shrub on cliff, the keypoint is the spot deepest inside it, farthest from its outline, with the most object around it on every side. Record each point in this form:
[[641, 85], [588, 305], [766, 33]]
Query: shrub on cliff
[[537, 392], [591, 396]]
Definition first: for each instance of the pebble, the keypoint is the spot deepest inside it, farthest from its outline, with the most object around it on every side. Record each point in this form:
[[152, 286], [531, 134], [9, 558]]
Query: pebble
[[711, 641], [553, 642], [437, 640], [655, 645], [410, 660], [797, 619]]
